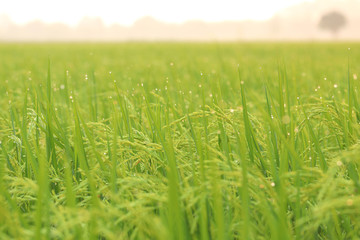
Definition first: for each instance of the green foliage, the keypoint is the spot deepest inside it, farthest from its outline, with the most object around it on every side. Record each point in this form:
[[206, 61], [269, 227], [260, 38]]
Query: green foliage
[[179, 141]]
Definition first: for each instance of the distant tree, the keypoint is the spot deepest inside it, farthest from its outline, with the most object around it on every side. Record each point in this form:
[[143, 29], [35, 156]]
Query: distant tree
[[333, 22]]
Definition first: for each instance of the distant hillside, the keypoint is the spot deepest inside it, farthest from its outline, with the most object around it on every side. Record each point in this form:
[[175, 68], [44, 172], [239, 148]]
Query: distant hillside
[[299, 22]]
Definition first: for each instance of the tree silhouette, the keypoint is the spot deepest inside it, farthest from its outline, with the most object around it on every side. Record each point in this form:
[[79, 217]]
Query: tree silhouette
[[333, 22]]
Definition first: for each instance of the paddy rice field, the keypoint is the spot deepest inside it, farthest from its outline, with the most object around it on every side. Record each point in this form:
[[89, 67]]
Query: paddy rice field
[[180, 141]]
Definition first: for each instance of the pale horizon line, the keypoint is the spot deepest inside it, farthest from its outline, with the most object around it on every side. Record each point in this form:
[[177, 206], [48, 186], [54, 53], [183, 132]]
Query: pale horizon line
[[297, 23]]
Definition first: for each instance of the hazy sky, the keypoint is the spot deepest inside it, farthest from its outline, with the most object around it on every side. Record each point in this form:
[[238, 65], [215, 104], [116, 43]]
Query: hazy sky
[[127, 11]]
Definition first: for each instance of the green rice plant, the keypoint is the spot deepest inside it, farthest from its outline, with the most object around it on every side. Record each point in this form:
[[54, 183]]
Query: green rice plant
[[179, 141]]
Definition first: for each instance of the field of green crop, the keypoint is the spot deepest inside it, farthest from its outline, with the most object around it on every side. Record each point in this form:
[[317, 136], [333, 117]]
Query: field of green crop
[[180, 141]]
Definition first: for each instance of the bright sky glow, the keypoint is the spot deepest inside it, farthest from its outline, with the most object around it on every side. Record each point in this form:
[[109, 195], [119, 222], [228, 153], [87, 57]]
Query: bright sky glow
[[125, 12]]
